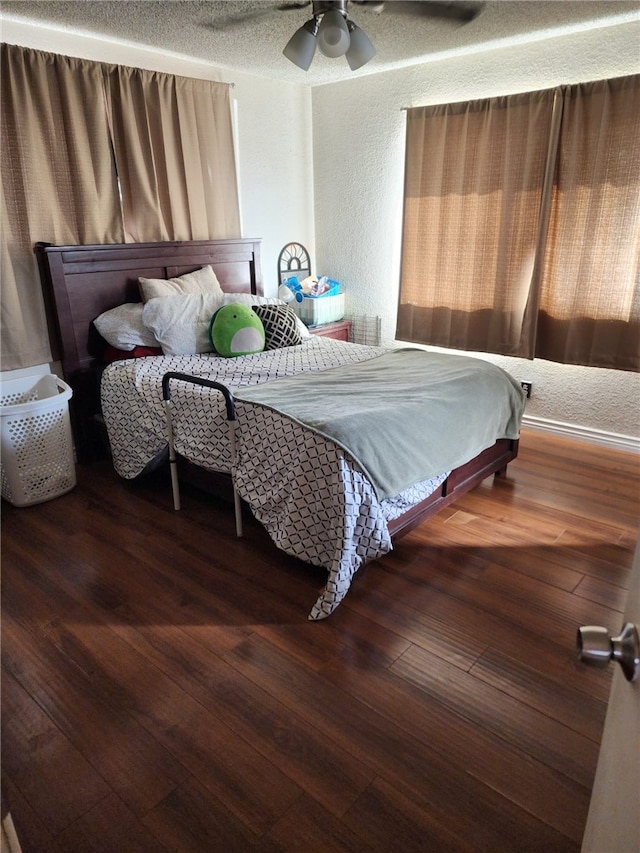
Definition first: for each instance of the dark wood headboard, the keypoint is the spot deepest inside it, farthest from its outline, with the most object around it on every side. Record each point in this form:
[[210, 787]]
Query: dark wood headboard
[[80, 282]]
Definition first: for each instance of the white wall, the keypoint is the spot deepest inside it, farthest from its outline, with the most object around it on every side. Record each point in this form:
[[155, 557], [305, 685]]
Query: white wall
[[359, 134]]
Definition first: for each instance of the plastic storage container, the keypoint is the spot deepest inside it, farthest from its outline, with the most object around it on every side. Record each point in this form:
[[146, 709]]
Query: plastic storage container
[[317, 310], [37, 461]]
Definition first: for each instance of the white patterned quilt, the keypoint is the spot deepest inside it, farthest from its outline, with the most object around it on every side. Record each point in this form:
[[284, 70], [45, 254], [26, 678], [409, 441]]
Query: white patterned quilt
[[312, 498]]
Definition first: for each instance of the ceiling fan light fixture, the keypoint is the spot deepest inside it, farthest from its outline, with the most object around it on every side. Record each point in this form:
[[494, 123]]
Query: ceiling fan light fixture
[[333, 34], [301, 47], [361, 50]]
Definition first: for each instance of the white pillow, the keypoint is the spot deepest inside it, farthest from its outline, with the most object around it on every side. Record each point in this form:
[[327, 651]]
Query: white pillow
[[302, 327], [251, 299], [181, 323], [123, 327], [201, 281]]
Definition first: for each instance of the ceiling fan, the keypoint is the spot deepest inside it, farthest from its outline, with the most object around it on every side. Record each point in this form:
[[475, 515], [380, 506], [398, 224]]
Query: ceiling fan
[[335, 34]]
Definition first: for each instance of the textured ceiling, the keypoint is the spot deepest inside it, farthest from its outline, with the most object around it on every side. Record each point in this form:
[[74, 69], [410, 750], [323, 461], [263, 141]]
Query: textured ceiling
[[249, 36]]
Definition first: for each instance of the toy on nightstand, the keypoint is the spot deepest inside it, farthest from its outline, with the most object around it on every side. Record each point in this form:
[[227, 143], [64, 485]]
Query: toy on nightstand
[[236, 329]]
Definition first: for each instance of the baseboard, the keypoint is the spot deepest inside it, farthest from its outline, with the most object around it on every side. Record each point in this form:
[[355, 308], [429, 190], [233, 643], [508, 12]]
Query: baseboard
[[614, 440]]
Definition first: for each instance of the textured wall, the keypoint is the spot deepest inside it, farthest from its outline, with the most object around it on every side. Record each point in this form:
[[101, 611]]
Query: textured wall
[[359, 130]]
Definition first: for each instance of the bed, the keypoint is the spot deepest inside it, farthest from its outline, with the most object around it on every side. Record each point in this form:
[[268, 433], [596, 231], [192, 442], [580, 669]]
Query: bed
[[320, 499]]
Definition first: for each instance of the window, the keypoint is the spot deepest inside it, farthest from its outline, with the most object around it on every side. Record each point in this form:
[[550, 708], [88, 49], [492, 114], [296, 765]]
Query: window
[[96, 153], [522, 225]]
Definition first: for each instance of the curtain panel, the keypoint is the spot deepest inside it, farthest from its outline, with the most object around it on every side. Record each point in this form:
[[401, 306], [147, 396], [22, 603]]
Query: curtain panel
[[58, 183], [474, 181], [589, 306], [173, 145], [520, 231], [96, 153]]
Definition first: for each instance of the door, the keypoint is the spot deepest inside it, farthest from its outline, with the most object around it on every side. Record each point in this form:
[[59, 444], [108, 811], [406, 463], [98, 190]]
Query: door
[[613, 822]]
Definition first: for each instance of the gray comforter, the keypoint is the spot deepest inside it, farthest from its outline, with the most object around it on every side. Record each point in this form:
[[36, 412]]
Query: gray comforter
[[404, 416]]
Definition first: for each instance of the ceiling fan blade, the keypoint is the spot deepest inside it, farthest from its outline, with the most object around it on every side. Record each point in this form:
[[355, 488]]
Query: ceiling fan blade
[[234, 20], [459, 11]]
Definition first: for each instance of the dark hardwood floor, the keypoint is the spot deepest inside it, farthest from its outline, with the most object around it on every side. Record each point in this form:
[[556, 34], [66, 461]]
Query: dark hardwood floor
[[164, 691]]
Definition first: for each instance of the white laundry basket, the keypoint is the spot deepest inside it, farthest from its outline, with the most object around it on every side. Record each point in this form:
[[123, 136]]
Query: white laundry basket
[[37, 448]]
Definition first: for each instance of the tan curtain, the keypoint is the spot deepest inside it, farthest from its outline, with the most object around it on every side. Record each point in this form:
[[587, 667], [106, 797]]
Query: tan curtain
[[590, 298], [522, 225], [474, 182], [58, 183], [174, 153], [62, 120]]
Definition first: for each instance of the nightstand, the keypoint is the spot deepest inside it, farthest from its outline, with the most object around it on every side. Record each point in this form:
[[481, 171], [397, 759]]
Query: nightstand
[[340, 330]]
